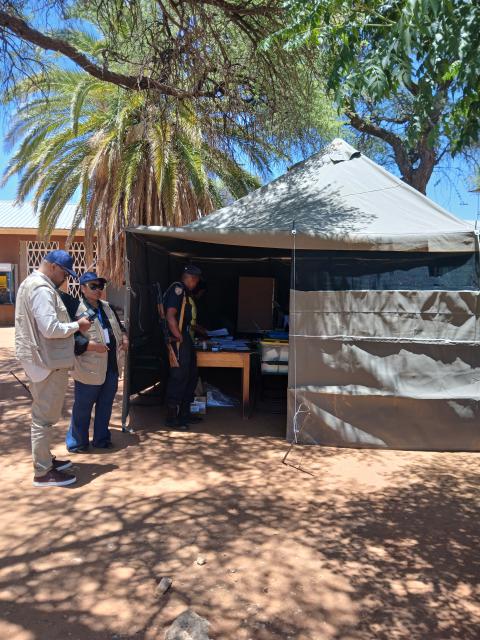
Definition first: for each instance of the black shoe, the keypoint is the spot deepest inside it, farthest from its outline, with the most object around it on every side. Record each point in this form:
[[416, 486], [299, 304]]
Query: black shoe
[[61, 465], [187, 416], [78, 450], [174, 421], [192, 418], [176, 424], [107, 445], [171, 419]]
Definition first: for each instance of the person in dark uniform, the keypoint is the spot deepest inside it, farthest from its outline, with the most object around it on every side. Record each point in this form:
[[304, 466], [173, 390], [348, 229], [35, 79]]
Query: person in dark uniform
[[182, 380], [196, 329]]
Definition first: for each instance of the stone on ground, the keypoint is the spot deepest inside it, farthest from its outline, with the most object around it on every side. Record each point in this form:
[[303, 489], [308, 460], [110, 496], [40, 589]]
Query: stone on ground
[[188, 626], [163, 586]]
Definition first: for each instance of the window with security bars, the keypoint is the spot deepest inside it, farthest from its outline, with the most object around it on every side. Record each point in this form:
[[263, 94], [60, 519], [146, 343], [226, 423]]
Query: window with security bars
[[77, 251], [37, 250]]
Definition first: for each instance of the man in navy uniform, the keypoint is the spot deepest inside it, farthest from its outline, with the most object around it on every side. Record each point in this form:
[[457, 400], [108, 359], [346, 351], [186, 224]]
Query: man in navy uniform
[[182, 380]]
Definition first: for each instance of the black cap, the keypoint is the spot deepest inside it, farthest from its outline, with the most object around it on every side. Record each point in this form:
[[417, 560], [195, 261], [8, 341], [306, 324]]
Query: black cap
[[192, 270]]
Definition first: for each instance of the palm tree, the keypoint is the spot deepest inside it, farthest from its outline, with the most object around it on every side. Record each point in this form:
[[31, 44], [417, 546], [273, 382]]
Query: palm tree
[[130, 157]]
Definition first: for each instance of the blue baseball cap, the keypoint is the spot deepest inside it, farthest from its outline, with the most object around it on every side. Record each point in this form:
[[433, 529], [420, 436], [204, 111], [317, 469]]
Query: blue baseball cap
[[63, 260], [90, 276]]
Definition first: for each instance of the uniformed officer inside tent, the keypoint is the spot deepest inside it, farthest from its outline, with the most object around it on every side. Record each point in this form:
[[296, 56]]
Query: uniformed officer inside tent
[[178, 304]]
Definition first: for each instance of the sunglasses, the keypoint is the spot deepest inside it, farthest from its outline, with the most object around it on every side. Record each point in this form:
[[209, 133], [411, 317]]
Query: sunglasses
[[93, 287]]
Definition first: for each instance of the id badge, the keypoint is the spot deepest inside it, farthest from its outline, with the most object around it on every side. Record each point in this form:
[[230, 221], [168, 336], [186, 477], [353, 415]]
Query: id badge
[[106, 336]]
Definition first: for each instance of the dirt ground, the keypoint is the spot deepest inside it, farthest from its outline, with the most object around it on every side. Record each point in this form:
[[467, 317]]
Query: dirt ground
[[368, 544]]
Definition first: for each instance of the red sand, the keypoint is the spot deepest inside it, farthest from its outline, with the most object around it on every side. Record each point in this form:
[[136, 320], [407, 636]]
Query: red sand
[[374, 544]]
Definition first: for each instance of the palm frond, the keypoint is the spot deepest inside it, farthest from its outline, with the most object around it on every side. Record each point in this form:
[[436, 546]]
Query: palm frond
[[170, 189], [132, 159], [78, 100]]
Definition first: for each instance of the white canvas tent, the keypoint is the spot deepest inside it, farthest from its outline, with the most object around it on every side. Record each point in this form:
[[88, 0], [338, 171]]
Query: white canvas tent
[[338, 199], [384, 300]]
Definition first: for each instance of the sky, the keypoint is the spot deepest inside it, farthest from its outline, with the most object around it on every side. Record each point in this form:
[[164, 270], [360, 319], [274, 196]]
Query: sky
[[449, 187]]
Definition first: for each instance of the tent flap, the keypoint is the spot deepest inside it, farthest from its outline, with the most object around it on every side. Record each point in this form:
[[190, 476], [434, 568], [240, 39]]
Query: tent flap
[[377, 421], [398, 369], [454, 241], [409, 316]]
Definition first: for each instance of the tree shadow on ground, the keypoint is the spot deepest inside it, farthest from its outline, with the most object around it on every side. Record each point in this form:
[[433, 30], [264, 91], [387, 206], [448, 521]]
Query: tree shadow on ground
[[15, 408], [373, 544], [87, 472], [331, 557]]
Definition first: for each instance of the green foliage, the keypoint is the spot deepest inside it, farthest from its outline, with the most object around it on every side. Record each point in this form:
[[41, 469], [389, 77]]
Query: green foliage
[[204, 110], [134, 161], [211, 51], [408, 66]]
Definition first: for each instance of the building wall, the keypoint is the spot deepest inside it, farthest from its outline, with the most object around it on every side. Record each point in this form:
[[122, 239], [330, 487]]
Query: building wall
[[10, 245], [11, 252], [7, 315]]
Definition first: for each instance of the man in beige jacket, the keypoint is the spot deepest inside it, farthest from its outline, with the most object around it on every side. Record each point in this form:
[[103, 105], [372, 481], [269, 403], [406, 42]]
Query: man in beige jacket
[[44, 346]]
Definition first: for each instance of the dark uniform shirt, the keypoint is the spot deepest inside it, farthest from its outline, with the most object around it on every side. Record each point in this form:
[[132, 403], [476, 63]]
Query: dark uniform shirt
[[173, 299]]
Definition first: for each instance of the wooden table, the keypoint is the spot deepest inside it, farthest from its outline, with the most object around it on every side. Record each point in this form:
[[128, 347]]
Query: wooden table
[[231, 360]]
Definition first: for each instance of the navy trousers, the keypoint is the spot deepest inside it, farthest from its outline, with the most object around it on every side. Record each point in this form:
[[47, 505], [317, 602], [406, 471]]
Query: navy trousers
[[182, 380], [86, 397]]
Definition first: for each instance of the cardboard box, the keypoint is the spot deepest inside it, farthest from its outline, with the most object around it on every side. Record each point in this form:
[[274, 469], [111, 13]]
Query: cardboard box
[[255, 304]]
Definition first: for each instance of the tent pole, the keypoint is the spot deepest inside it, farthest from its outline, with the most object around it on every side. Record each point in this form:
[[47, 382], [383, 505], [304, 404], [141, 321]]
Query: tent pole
[[126, 374], [293, 331]]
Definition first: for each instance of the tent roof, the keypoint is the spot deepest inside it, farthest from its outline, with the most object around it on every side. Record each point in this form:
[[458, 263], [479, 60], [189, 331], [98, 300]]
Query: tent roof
[[336, 199]]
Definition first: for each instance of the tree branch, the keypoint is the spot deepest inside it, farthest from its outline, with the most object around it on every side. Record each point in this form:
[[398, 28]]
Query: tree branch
[[403, 120], [21, 29], [241, 9], [399, 150]]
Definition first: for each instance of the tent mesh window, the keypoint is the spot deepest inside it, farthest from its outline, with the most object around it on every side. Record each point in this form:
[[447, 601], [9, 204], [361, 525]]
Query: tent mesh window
[[376, 271]]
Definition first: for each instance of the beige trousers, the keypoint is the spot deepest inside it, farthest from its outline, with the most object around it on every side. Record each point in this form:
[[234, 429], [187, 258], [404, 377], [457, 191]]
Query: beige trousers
[[48, 396]]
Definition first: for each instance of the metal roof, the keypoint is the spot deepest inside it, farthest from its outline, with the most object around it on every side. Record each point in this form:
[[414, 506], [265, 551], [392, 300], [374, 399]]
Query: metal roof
[[23, 216]]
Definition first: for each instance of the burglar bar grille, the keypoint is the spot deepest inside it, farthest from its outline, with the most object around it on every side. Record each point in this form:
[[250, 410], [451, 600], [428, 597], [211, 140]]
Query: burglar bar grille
[[77, 251], [37, 250]]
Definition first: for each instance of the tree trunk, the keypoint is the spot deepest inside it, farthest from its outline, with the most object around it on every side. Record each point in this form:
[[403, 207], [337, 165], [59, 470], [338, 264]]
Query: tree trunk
[[416, 172], [420, 176]]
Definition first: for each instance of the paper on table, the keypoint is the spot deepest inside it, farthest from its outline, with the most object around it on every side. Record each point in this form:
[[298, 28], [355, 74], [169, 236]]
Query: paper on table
[[224, 344], [217, 333]]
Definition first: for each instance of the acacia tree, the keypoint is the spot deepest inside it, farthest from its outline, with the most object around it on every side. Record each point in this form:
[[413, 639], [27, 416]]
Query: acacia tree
[[201, 51], [204, 51], [402, 71], [171, 97]]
